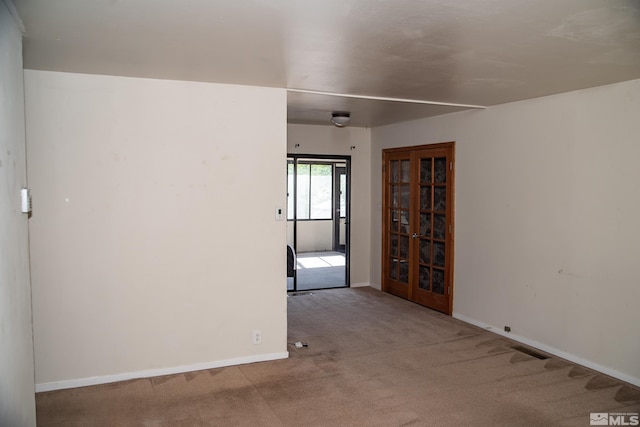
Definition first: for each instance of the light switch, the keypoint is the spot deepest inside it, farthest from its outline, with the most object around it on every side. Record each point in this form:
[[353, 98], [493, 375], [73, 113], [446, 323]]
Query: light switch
[[279, 214], [25, 202]]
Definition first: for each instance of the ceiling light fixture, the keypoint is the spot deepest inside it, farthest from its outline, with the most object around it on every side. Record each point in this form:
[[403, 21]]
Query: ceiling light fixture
[[340, 118]]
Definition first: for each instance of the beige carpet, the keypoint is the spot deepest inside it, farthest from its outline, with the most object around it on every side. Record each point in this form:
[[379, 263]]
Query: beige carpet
[[372, 360]]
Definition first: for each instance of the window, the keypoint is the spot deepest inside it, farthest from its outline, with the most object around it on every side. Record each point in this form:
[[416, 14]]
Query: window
[[315, 190], [343, 195], [289, 189]]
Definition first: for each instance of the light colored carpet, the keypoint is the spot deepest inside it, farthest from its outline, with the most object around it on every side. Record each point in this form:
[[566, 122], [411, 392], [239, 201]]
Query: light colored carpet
[[372, 360]]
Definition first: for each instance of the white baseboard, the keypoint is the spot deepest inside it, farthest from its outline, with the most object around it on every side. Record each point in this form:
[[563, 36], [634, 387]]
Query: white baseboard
[[359, 285], [82, 382], [551, 350]]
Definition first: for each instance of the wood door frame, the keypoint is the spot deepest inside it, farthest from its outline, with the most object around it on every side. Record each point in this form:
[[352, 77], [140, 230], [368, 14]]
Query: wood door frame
[[336, 207], [449, 262]]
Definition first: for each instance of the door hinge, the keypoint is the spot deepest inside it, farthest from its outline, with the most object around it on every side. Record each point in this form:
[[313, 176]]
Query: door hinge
[[449, 290], [450, 166], [449, 228]]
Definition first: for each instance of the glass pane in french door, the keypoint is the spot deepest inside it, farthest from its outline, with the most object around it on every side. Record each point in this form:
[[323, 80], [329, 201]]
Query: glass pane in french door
[[432, 217], [399, 220]]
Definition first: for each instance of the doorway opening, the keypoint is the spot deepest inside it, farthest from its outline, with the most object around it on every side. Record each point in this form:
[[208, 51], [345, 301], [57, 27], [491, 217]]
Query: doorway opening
[[318, 211]]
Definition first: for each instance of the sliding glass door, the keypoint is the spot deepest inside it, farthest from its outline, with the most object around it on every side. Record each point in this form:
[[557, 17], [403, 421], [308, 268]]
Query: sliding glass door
[[317, 220]]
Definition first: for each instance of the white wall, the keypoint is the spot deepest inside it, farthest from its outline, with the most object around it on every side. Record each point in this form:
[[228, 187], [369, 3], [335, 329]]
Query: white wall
[[547, 234], [314, 139], [313, 236], [150, 196], [17, 402]]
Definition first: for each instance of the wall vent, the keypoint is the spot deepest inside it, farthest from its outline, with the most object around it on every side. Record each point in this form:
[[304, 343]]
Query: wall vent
[[530, 352], [295, 294]]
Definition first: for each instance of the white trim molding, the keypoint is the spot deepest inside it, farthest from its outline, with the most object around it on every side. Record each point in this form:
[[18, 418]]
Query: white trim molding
[[551, 350], [14, 12], [83, 382], [360, 285], [385, 98]]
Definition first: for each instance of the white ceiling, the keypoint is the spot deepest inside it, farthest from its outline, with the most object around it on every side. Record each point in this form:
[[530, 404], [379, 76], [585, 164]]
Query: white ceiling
[[481, 52]]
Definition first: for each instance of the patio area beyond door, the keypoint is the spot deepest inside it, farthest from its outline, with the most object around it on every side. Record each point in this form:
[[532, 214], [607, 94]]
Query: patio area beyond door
[[318, 220]]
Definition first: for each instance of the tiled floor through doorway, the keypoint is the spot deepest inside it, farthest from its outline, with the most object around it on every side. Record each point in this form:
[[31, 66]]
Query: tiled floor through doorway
[[319, 270]]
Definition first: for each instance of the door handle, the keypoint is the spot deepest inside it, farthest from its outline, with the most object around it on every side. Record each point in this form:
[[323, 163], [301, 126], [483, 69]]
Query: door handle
[[414, 236]]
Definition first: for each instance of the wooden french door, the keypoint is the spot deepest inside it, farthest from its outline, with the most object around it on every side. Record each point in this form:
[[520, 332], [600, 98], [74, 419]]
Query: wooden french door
[[417, 236]]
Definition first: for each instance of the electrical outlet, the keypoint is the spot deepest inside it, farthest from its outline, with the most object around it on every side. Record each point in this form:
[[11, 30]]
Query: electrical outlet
[[257, 336], [507, 328]]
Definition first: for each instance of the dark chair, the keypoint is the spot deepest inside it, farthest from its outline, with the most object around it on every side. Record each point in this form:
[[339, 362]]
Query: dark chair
[[291, 261]]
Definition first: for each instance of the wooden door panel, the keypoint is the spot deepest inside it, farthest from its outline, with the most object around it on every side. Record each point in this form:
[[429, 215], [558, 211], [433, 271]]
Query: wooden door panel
[[396, 229], [426, 225]]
